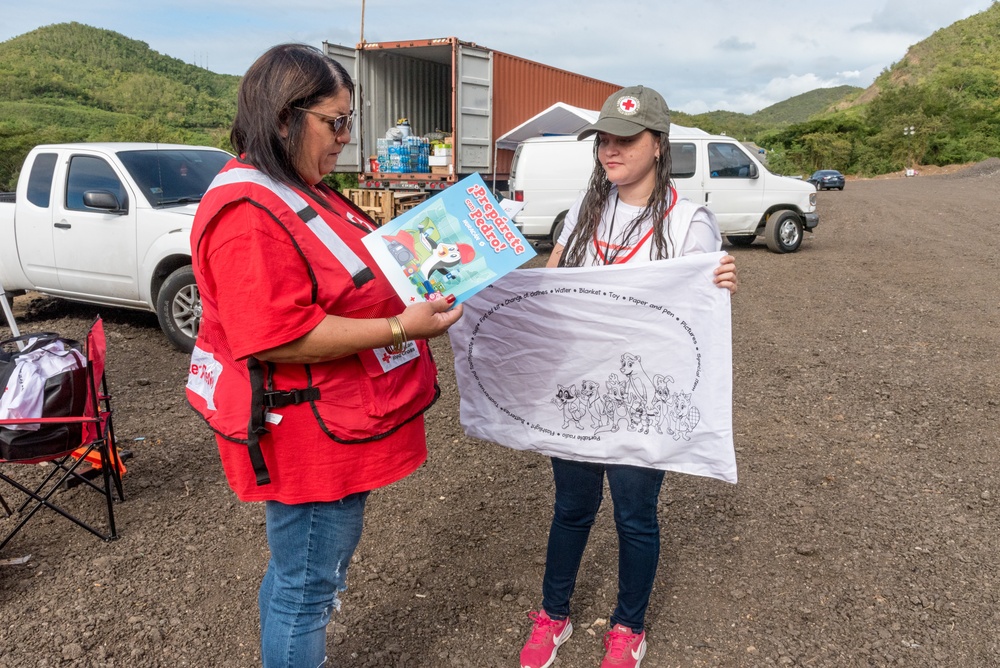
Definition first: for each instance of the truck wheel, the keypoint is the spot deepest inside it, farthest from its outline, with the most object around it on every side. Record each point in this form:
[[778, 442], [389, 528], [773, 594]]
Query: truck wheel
[[740, 239], [178, 307], [558, 227], [783, 231]]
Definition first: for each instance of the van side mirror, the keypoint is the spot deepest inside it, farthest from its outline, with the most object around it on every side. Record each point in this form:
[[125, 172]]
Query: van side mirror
[[754, 172], [102, 199]]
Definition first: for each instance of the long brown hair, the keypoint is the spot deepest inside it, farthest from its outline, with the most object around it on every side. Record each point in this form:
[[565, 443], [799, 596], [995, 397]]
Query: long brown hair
[[596, 199], [285, 77]]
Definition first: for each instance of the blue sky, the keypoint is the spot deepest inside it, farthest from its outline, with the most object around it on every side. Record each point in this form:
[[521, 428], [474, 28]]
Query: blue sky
[[716, 54]]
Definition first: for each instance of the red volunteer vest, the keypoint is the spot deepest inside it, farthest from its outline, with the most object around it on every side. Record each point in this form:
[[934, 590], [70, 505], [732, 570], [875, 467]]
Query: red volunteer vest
[[358, 398]]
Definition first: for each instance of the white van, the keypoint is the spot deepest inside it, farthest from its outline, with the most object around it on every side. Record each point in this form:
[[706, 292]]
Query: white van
[[548, 173]]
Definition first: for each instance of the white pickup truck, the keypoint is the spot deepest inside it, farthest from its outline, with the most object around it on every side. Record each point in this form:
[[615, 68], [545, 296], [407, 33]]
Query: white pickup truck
[[109, 223]]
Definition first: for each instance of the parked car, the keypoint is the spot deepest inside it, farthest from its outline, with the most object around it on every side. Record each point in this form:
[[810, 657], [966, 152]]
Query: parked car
[[827, 179]]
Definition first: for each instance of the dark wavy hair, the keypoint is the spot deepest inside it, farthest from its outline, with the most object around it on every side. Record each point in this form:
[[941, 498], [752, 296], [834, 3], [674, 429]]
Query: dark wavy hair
[[285, 77], [596, 199]]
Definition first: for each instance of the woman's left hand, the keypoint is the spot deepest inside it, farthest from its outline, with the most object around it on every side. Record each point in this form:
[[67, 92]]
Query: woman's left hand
[[725, 274]]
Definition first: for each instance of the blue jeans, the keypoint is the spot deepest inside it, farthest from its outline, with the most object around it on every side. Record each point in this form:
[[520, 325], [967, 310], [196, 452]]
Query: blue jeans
[[635, 493], [311, 547]]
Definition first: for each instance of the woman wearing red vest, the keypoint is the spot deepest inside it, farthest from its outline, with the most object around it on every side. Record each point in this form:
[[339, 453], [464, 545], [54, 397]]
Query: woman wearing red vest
[[309, 368]]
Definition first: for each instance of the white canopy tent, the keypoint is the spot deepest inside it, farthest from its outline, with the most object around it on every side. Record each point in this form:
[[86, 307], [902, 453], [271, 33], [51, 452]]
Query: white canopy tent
[[559, 119]]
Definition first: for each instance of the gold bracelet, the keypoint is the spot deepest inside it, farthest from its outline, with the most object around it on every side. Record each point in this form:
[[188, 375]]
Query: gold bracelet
[[398, 336]]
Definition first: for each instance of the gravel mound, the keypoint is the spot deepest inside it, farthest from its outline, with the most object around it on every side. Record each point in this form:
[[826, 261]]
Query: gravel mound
[[987, 168]]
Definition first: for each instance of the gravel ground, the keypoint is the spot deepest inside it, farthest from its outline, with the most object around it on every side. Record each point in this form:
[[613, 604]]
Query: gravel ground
[[863, 531]]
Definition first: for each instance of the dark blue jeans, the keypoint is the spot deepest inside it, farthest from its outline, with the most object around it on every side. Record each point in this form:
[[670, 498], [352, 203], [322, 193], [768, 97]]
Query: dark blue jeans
[[635, 493]]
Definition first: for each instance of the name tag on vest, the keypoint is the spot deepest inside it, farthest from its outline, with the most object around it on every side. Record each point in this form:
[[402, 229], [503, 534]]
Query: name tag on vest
[[380, 360]]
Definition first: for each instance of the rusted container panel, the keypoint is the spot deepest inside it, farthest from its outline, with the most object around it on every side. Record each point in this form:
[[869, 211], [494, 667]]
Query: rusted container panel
[[458, 88], [522, 88]]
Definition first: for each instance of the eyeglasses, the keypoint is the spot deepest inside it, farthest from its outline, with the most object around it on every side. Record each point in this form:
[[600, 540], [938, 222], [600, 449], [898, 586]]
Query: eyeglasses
[[336, 124]]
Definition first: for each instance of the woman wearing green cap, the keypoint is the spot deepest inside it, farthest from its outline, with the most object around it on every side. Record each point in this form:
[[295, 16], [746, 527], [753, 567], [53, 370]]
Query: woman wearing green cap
[[629, 213]]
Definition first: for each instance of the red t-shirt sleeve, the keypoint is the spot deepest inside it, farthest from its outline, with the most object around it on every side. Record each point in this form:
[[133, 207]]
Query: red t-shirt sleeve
[[263, 292]]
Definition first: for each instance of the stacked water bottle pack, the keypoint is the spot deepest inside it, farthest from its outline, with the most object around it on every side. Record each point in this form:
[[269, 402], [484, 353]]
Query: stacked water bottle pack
[[402, 153]]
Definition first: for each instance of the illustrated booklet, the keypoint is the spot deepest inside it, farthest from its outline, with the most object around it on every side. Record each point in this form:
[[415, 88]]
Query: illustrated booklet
[[457, 242]]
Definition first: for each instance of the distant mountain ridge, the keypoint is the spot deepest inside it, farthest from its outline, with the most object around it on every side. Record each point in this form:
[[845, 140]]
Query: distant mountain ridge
[[802, 107], [73, 82]]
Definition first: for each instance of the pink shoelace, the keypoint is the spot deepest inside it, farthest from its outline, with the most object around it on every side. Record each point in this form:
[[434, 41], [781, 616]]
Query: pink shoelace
[[617, 643], [543, 626]]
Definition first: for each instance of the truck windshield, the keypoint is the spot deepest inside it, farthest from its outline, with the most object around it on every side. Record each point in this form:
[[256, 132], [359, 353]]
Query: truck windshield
[[171, 177]]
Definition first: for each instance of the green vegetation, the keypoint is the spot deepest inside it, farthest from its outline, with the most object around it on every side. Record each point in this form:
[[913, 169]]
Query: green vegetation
[[71, 82], [939, 105]]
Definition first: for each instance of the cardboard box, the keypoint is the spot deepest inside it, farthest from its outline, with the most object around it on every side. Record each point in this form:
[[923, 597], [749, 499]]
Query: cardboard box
[[441, 171], [438, 161], [441, 151]]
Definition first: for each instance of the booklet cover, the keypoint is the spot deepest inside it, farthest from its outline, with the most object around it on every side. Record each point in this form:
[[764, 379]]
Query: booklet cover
[[457, 242]]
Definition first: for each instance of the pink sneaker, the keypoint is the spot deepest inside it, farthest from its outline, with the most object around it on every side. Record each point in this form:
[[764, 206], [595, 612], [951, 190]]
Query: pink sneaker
[[624, 648], [546, 636]]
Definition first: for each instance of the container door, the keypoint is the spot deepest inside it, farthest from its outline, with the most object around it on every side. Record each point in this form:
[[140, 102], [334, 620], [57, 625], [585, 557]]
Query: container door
[[350, 157], [473, 110]]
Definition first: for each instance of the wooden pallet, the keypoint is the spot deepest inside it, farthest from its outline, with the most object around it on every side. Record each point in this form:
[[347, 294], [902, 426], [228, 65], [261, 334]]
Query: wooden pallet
[[384, 205]]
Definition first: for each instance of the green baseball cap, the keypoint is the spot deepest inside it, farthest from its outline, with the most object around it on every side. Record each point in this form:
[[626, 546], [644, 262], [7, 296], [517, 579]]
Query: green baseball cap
[[630, 111]]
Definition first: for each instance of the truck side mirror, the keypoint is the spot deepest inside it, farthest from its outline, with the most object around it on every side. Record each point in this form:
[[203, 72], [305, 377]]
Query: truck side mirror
[[102, 199]]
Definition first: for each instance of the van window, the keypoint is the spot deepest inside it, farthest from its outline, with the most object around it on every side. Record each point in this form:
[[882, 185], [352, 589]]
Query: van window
[[40, 179], [683, 160], [514, 161], [90, 173], [727, 161]]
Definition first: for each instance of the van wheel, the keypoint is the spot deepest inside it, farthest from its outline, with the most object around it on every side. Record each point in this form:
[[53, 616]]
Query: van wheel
[[783, 231], [740, 239], [178, 308], [557, 228]]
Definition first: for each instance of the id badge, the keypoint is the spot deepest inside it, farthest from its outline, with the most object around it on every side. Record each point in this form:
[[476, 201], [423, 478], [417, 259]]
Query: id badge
[[380, 360]]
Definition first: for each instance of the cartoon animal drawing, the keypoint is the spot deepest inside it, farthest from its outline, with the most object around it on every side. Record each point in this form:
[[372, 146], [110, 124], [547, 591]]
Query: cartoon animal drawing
[[661, 397], [639, 417], [614, 408], [590, 398], [637, 382], [430, 255], [443, 256], [569, 403], [682, 417]]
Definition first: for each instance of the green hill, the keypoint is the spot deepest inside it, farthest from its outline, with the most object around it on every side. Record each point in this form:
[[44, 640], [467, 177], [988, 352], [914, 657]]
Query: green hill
[[72, 82], [803, 107], [793, 110], [946, 88]]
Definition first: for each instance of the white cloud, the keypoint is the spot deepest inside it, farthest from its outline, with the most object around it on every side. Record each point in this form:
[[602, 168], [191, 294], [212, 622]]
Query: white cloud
[[735, 44], [702, 56]]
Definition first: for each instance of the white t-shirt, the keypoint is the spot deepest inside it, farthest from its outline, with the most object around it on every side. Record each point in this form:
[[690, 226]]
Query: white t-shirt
[[693, 230]]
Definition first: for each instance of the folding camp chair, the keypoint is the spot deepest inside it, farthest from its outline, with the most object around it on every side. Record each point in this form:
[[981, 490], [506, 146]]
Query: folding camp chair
[[97, 438]]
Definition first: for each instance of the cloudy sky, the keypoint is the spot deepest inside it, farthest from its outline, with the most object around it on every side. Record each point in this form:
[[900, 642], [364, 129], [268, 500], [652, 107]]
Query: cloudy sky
[[702, 56]]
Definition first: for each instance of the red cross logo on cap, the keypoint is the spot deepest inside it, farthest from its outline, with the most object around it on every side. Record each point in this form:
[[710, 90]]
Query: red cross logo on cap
[[628, 105]]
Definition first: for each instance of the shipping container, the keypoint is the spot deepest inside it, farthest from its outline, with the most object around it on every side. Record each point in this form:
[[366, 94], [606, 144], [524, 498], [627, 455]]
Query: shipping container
[[448, 88]]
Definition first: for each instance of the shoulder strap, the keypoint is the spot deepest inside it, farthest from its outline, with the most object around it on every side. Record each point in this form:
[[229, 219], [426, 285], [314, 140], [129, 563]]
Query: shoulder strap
[[360, 272]]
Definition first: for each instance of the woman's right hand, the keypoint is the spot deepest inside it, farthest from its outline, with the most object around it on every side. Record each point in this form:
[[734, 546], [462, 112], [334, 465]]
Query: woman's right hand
[[431, 318]]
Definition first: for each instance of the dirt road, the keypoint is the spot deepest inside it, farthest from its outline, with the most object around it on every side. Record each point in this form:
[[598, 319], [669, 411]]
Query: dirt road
[[863, 531]]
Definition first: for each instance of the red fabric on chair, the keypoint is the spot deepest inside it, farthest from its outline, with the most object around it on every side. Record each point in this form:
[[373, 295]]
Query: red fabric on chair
[[97, 443]]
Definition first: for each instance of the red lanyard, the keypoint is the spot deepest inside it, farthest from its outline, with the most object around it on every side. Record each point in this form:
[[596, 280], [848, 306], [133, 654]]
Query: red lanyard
[[643, 240]]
